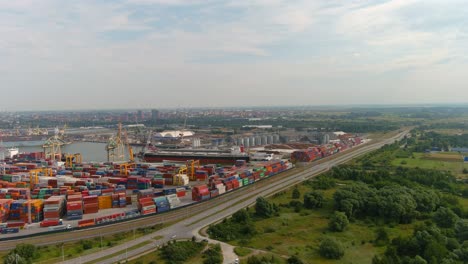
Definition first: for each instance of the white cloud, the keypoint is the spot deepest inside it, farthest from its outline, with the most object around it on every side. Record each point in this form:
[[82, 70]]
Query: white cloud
[[314, 49]]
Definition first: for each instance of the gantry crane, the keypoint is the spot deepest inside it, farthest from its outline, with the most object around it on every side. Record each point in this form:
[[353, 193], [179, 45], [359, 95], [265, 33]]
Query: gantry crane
[[131, 163], [191, 168], [34, 175], [115, 147], [33, 180], [2, 157], [130, 150], [71, 159], [53, 147]]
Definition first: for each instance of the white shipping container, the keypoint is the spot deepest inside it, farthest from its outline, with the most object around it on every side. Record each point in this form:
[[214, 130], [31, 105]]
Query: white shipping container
[[149, 207]]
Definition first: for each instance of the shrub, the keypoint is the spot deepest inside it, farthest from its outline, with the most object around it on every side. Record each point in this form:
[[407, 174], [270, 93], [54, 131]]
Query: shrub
[[294, 260], [338, 222], [331, 249], [213, 255], [178, 252], [381, 237], [295, 193], [242, 251], [86, 244]]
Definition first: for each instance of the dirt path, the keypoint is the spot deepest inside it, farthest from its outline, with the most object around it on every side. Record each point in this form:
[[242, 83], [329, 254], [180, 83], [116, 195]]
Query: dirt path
[[228, 250]]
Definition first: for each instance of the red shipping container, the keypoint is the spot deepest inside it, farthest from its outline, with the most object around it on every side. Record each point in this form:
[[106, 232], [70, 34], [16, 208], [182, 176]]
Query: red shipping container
[[51, 215], [71, 206], [152, 211], [47, 223]]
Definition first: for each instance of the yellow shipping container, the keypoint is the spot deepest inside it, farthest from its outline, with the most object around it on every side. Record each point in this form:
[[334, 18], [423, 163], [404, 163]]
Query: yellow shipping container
[[105, 202]]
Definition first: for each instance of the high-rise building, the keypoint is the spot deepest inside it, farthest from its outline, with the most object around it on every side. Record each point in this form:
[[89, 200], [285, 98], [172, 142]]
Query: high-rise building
[[154, 115]]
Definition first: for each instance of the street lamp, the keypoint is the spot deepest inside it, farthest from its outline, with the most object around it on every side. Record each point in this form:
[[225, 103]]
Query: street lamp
[[63, 253]]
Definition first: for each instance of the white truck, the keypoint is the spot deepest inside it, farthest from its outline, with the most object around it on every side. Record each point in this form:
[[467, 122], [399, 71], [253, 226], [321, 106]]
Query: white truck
[[59, 227]]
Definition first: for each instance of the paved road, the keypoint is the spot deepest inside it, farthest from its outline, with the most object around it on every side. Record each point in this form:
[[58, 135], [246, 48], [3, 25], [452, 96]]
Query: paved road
[[188, 227]]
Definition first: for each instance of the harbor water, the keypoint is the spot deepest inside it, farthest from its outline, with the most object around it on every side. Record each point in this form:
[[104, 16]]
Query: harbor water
[[91, 151]]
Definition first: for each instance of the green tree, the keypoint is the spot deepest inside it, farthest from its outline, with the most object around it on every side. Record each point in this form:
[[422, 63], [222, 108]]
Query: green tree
[[418, 260], [14, 258], [426, 200], [396, 203], [313, 199], [461, 230], [445, 218], [263, 208], [331, 249], [295, 193], [178, 252], [23, 252], [323, 182], [338, 222], [241, 216]]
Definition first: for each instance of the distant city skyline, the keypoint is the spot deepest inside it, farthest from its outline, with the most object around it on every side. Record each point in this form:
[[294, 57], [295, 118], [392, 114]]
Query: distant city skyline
[[159, 54]]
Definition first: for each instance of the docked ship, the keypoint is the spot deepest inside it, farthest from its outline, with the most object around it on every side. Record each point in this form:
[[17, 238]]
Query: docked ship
[[205, 156], [13, 138]]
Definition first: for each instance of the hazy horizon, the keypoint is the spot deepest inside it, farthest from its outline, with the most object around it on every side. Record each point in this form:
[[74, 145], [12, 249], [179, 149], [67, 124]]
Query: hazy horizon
[[145, 54], [253, 107]]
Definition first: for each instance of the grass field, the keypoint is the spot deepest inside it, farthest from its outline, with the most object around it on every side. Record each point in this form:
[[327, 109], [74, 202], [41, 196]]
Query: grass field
[[447, 161], [450, 131], [300, 233]]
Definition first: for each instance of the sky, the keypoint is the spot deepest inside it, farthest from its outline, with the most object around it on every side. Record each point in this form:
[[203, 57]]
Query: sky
[[101, 54]]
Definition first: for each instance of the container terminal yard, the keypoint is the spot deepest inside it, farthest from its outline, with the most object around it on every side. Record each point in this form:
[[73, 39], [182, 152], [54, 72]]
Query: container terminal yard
[[197, 215], [47, 191]]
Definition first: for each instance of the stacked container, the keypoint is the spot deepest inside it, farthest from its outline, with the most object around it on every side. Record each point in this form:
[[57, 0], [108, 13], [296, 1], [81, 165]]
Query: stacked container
[[201, 175], [75, 207], [145, 193], [5, 205], [162, 204], [221, 188], [146, 206], [132, 183], [181, 192], [181, 179], [173, 200], [158, 182], [119, 200], [200, 193], [105, 202], [91, 204], [19, 210], [54, 207], [307, 155], [143, 183], [168, 178]]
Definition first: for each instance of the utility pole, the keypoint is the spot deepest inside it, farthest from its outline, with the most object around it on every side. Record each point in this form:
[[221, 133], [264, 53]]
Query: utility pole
[[63, 254]]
